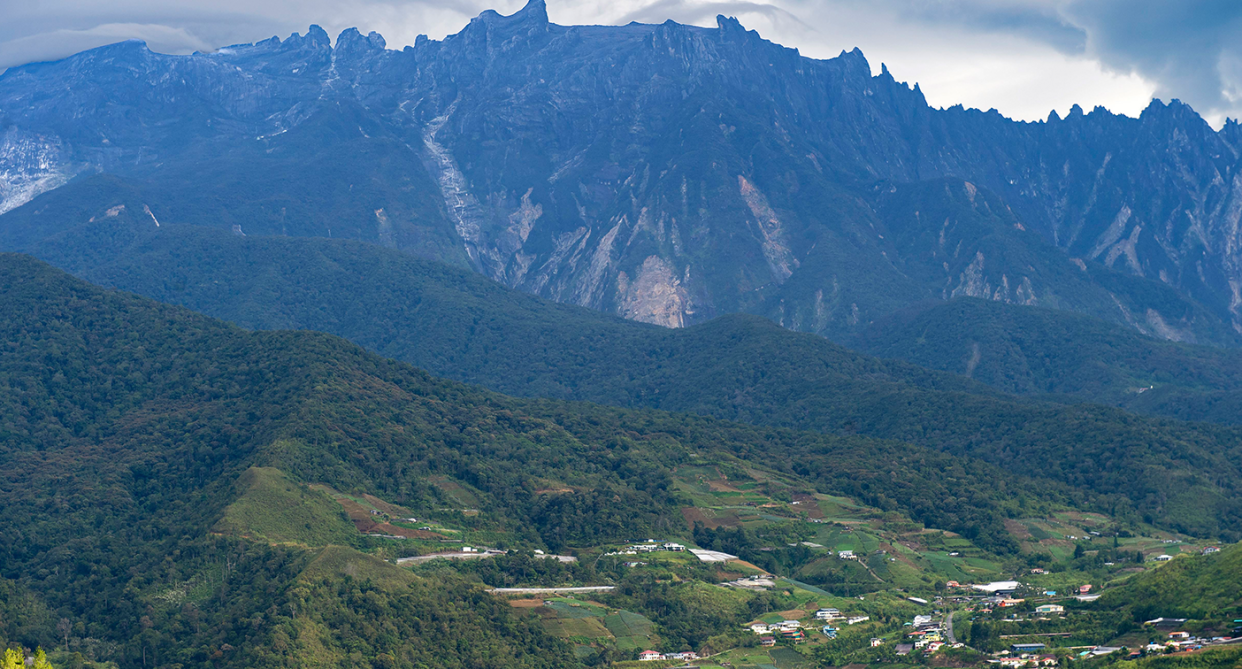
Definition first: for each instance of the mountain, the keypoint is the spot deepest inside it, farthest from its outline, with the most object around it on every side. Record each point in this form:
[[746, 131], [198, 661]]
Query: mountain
[[172, 488], [663, 173], [462, 326], [1036, 351]]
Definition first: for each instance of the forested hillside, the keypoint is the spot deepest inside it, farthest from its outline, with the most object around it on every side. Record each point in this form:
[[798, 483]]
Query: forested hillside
[[129, 429], [1030, 350], [459, 325]]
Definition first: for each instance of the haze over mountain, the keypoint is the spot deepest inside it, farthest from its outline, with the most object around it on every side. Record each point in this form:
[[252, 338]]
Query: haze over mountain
[[663, 173]]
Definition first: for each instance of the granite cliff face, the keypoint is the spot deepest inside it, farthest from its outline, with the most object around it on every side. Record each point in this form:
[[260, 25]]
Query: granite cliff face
[[665, 173]]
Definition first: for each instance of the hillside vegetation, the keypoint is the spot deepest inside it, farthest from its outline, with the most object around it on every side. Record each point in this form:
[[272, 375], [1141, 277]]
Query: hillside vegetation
[[1031, 351], [458, 325]]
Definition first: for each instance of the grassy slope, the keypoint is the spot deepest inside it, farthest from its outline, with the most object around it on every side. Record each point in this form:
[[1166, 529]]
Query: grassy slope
[[457, 324], [1042, 351], [274, 508]]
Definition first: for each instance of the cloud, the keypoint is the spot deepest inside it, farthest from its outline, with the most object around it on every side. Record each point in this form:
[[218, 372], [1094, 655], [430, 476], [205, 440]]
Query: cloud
[[1190, 49], [59, 44]]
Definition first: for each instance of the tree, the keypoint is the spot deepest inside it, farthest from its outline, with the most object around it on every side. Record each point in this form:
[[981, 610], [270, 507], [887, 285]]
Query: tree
[[13, 660], [41, 660]]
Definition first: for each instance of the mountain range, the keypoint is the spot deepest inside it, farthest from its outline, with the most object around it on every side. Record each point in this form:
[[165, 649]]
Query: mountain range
[[663, 173], [282, 322]]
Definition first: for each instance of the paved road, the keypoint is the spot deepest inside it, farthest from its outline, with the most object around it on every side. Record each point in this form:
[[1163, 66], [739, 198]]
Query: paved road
[[948, 628], [538, 591]]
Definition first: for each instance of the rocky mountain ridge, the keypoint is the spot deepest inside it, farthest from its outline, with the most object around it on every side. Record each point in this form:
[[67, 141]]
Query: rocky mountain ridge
[[666, 173]]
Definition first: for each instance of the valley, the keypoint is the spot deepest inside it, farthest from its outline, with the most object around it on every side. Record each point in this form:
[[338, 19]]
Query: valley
[[644, 345]]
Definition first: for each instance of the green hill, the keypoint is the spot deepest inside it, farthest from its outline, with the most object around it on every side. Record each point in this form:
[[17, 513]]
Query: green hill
[[1199, 587], [458, 325], [1028, 350]]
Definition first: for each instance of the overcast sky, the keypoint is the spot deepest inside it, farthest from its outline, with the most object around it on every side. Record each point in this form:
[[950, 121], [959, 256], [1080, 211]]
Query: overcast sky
[[1022, 57]]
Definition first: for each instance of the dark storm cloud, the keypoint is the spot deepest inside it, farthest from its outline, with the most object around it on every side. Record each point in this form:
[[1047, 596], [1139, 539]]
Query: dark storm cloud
[[1191, 49]]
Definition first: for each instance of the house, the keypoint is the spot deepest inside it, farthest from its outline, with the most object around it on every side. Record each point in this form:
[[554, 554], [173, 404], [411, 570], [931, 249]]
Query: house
[[1211, 549], [1048, 661], [1037, 570], [759, 628], [1004, 603], [827, 614], [790, 624], [1013, 662], [1050, 608], [1084, 589], [847, 555], [650, 655], [952, 584], [767, 642], [1027, 647], [1163, 557], [670, 546], [904, 648], [1179, 636], [876, 642], [829, 632], [857, 619], [794, 635], [918, 600]]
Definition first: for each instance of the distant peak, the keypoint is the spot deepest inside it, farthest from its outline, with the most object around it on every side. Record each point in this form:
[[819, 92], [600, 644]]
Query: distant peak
[[535, 10], [351, 39], [315, 37]]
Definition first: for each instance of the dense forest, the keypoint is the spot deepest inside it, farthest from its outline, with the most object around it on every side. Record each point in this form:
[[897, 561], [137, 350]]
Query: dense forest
[[459, 325], [1033, 351]]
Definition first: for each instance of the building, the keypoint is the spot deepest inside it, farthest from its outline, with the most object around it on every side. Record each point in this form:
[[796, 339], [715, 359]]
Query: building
[[759, 628], [1027, 647], [857, 619], [767, 642], [650, 655], [1163, 557], [794, 635], [847, 555], [904, 648], [1005, 603], [1211, 549], [827, 614], [1050, 608], [999, 587], [1166, 622], [1084, 589], [875, 642]]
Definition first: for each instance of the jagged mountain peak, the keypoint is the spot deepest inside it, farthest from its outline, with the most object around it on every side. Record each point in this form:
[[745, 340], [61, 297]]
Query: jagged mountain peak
[[352, 40]]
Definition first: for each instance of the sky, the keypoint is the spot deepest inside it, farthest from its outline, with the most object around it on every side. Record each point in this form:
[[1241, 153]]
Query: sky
[[1024, 58]]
